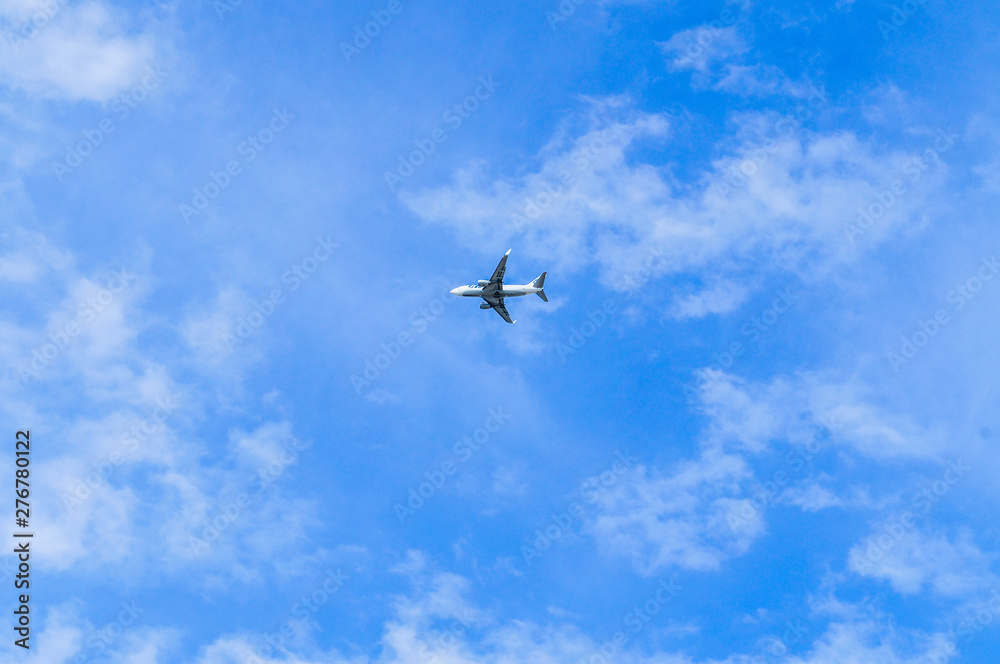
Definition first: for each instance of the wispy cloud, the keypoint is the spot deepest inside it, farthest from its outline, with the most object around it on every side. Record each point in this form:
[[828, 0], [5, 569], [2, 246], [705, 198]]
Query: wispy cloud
[[89, 51]]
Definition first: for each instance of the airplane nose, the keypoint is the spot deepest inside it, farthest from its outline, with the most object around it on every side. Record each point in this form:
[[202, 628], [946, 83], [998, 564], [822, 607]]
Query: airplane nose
[[455, 291]]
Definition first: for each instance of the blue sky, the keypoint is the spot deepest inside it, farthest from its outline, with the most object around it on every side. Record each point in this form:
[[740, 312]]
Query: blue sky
[[754, 423]]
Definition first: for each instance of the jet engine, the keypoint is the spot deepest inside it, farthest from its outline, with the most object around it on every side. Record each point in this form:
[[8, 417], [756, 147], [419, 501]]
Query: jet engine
[[484, 282], [484, 305]]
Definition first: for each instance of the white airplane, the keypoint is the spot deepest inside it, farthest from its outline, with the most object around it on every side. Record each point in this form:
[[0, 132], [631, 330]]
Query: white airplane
[[493, 291]]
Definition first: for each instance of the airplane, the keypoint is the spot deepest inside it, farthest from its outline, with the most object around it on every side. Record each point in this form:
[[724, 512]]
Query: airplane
[[493, 290]]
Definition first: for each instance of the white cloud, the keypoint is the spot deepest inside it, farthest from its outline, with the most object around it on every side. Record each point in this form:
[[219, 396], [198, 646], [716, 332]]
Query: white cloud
[[681, 518], [701, 48], [803, 407], [441, 596], [759, 80], [436, 622], [912, 561], [85, 51], [695, 514], [447, 640], [129, 483], [870, 643], [206, 329], [60, 635], [718, 59], [719, 298], [777, 200], [119, 496], [812, 497], [234, 521], [507, 481], [26, 256]]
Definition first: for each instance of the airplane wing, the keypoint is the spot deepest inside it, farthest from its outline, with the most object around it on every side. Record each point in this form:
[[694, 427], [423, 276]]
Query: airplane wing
[[497, 277], [502, 310]]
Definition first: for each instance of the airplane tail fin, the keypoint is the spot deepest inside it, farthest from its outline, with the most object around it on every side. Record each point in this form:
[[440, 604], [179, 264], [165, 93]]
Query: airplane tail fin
[[540, 283]]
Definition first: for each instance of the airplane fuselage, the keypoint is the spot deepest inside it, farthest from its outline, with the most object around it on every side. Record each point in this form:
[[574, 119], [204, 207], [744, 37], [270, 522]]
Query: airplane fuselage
[[487, 292]]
